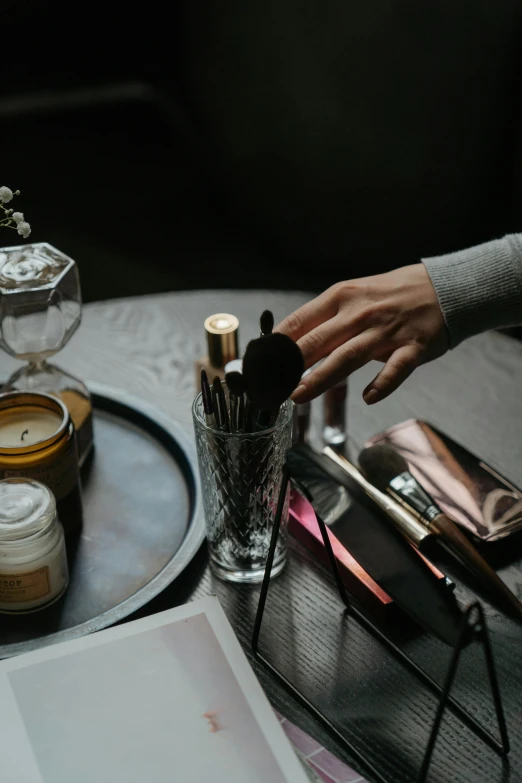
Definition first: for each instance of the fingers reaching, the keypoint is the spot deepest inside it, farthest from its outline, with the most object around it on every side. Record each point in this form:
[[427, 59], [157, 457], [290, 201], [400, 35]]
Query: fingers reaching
[[399, 366], [309, 316], [394, 317], [344, 360], [324, 339]]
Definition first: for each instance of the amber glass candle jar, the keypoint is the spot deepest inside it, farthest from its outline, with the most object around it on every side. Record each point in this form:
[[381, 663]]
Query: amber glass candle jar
[[37, 441]]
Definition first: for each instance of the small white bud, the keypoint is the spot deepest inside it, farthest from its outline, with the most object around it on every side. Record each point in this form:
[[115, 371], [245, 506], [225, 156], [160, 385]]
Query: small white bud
[[24, 229], [6, 194]]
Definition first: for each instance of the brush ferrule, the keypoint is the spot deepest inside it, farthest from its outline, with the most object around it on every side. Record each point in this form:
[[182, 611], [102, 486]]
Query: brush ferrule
[[407, 490], [223, 412], [410, 525], [210, 420], [237, 412]]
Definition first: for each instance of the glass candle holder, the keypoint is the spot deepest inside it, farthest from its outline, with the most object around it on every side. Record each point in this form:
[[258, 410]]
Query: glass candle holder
[[37, 442], [40, 309], [241, 476], [33, 561]]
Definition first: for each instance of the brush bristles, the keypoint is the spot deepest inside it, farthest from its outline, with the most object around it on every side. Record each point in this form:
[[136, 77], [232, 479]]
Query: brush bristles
[[380, 465], [272, 368], [235, 383], [266, 322]]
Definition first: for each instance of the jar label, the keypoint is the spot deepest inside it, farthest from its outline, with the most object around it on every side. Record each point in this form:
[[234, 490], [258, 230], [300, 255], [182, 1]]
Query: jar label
[[61, 476], [17, 588]]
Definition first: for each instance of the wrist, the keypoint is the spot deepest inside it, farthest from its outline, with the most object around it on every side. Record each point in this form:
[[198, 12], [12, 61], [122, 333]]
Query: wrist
[[478, 288]]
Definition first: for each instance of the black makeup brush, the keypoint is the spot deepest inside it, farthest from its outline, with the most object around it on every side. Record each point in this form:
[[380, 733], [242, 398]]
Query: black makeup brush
[[220, 406], [389, 472], [266, 322], [236, 391], [206, 395], [272, 368]]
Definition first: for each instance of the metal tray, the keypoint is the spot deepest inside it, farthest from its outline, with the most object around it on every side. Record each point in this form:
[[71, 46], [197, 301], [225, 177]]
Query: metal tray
[[143, 523]]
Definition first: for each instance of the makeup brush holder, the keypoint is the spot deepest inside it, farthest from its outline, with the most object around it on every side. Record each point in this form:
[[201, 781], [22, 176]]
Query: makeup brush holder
[[241, 476]]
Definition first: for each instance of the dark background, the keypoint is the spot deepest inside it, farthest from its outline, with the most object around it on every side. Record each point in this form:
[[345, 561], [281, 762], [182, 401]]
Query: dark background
[[267, 143]]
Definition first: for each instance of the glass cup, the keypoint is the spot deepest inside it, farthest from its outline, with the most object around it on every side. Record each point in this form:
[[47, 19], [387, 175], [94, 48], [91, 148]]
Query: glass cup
[[241, 477]]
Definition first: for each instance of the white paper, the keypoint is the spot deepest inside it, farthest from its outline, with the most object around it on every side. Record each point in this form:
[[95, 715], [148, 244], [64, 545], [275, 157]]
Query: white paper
[[167, 698]]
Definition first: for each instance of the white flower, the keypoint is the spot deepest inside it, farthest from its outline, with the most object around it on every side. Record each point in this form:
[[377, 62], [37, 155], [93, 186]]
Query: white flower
[[18, 217], [6, 194], [24, 229]]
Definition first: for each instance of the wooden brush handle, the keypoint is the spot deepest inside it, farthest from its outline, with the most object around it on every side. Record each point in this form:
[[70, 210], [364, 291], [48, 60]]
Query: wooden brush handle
[[455, 541]]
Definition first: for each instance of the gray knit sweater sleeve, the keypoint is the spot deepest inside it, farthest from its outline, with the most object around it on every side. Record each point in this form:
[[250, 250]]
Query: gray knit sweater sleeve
[[479, 288]]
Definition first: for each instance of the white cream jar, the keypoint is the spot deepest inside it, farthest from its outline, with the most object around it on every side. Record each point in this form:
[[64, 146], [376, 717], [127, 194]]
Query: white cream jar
[[33, 560]]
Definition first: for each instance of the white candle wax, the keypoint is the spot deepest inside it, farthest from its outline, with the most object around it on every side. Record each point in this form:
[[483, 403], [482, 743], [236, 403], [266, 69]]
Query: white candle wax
[[26, 428]]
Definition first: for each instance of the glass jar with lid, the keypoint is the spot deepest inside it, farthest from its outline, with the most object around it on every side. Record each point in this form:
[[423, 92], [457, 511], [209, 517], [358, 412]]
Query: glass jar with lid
[[33, 560]]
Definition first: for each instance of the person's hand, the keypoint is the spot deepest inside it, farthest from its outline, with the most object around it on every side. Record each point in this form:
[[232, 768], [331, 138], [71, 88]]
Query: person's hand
[[394, 318]]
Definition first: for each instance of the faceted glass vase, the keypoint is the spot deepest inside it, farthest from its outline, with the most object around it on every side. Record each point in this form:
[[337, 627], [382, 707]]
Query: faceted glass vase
[[40, 309]]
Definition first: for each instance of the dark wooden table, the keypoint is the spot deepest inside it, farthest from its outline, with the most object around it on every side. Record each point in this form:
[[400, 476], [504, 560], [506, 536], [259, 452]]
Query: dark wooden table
[[148, 346]]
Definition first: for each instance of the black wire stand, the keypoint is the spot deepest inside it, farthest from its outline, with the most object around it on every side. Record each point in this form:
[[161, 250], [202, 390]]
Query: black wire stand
[[473, 627]]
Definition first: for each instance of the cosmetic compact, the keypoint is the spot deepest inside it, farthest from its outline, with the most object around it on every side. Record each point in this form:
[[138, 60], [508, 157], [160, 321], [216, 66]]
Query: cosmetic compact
[[33, 561]]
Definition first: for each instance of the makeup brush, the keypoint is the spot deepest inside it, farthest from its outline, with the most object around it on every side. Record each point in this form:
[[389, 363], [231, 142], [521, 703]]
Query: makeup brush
[[236, 390], [220, 406], [206, 395], [389, 472], [266, 322], [272, 368], [375, 543]]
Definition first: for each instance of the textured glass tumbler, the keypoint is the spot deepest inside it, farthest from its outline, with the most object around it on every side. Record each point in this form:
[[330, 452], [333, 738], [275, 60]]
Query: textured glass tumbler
[[240, 479]]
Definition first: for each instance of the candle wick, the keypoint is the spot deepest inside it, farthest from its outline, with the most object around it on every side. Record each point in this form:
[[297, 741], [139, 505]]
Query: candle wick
[[24, 433]]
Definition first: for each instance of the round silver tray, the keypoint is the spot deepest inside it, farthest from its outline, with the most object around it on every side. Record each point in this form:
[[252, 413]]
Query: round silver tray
[[143, 524]]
